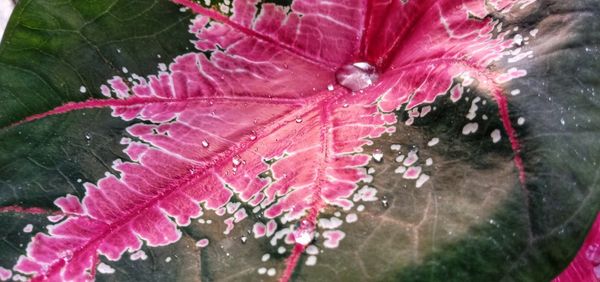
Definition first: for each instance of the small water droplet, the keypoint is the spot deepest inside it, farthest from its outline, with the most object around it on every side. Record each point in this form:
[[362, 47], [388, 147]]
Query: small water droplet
[[357, 76], [377, 155], [384, 202], [346, 105], [298, 119], [236, 161], [204, 143], [330, 87]]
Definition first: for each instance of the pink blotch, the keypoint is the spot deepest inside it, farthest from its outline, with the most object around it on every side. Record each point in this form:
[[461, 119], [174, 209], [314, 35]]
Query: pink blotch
[[258, 230], [333, 238], [202, 243], [229, 223], [240, 215], [5, 274], [412, 172]]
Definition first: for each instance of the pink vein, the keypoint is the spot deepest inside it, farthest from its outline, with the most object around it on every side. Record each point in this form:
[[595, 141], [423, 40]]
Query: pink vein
[[135, 101], [29, 210], [250, 32]]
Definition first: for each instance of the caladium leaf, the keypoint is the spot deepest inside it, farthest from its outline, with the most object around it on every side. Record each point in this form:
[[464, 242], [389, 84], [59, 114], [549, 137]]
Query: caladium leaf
[[384, 130]]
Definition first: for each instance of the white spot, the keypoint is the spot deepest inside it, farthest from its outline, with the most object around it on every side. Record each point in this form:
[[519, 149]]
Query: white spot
[[352, 217], [168, 259], [262, 270], [281, 250], [271, 272], [105, 268], [470, 128], [521, 121], [82, 89], [562, 121], [533, 32], [138, 255], [395, 147], [515, 92], [330, 223], [422, 179], [433, 142], [265, 257], [312, 250], [400, 169], [360, 208], [19, 277], [28, 228], [204, 143], [495, 135], [311, 260], [428, 161], [518, 39], [330, 87], [473, 109], [125, 70], [400, 158], [162, 67]]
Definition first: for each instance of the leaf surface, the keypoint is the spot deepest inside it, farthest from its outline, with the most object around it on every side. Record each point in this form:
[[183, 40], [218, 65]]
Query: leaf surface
[[259, 131]]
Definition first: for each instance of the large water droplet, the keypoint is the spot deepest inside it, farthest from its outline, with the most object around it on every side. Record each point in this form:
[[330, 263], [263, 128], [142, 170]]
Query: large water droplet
[[357, 76], [304, 233]]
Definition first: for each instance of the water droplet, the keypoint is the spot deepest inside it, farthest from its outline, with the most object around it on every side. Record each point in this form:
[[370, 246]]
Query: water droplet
[[298, 119], [330, 87], [345, 105], [236, 161], [377, 155], [357, 76], [244, 239], [384, 202], [304, 234], [204, 143]]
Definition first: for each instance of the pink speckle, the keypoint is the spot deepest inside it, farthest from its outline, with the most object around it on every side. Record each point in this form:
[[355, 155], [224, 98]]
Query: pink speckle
[[240, 215], [258, 229], [456, 93], [412, 172], [28, 228], [366, 194], [202, 243], [511, 74], [5, 274], [333, 238], [271, 227], [229, 223]]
